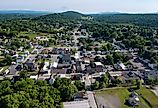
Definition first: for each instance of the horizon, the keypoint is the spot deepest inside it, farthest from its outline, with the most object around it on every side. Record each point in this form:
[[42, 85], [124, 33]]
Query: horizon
[[82, 6], [49, 12]]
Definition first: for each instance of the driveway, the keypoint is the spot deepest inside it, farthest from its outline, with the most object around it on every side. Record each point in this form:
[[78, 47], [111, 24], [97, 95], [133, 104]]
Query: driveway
[[155, 90]]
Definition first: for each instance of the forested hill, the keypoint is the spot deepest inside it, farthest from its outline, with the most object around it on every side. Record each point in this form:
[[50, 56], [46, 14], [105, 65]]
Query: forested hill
[[20, 14], [71, 17], [150, 20], [68, 20], [65, 17]]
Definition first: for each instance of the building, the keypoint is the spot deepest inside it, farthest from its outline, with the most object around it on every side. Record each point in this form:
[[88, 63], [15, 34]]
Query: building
[[76, 104], [30, 65], [120, 66], [133, 99]]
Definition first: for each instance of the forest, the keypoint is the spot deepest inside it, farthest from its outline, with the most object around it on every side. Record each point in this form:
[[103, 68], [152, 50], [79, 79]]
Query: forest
[[23, 92]]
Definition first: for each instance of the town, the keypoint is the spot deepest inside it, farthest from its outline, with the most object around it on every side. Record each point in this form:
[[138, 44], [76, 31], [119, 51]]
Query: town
[[91, 62]]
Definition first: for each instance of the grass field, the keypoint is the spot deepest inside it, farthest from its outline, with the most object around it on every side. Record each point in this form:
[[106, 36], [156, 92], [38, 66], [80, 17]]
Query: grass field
[[149, 96], [116, 98], [32, 35]]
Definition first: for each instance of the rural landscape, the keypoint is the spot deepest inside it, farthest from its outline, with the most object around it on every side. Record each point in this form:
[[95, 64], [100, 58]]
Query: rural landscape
[[77, 60]]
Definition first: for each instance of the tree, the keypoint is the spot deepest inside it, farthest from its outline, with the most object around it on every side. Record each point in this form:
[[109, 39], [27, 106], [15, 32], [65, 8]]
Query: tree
[[27, 93], [110, 60], [139, 84], [114, 35], [74, 51], [105, 79], [96, 85], [116, 81], [23, 74], [67, 92], [104, 48], [80, 85], [109, 46], [133, 81], [102, 85], [8, 59]]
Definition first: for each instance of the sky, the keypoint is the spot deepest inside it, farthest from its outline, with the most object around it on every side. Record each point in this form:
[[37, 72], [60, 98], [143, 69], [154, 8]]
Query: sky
[[84, 6]]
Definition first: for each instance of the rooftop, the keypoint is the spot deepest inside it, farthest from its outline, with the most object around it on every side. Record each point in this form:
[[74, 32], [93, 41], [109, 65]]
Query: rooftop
[[76, 104], [98, 63]]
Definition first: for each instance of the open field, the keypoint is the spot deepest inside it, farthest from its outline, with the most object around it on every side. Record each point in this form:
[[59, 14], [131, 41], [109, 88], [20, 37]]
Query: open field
[[149, 96], [32, 35], [116, 98]]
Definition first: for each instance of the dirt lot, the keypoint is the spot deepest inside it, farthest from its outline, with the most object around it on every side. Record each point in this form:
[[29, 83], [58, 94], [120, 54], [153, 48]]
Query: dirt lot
[[108, 102]]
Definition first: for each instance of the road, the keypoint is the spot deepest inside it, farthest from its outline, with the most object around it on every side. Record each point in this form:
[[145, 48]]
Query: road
[[155, 91], [30, 55], [91, 98]]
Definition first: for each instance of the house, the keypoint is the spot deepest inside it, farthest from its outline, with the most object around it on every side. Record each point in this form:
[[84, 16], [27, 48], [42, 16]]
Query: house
[[36, 51], [133, 99], [120, 66], [20, 49], [34, 77], [78, 67], [94, 67], [150, 74], [27, 52], [152, 65], [66, 58], [20, 59], [98, 66], [55, 65], [86, 60], [64, 76], [78, 76], [42, 38], [44, 77], [19, 67], [30, 65], [46, 70], [60, 69]]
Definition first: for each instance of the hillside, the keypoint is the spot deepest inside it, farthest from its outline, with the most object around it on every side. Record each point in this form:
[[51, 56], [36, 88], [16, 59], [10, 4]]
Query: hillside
[[137, 19], [20, 14], [61, 19], [65, 15]]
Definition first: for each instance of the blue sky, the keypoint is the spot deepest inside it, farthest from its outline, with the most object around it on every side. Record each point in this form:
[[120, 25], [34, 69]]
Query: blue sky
[[85, 6]]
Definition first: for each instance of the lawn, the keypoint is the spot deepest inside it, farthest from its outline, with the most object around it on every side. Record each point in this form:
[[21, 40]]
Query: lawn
[[31, 35], [116, 98], [149, 96]]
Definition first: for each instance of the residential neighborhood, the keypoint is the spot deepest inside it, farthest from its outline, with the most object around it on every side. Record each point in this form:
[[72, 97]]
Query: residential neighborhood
[[70, 60], [78, 60]]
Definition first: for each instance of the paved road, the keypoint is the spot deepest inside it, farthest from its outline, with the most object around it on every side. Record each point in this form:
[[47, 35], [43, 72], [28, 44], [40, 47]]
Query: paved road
[[155, 91], [30, 55], [90, 94], [91, 99]]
